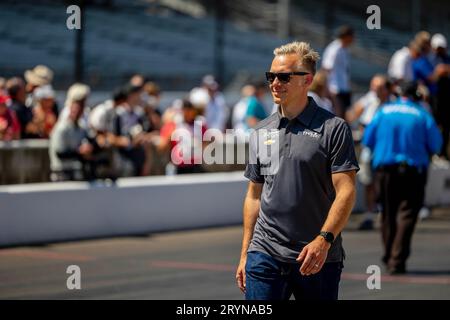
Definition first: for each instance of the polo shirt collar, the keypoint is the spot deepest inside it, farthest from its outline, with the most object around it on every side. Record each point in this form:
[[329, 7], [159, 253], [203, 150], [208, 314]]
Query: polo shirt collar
[[305, 117]]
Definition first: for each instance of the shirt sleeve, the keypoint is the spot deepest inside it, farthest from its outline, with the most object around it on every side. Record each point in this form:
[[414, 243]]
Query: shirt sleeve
[[253, 168], [343, 157], [434, 137], [370, 132], [329, 57]]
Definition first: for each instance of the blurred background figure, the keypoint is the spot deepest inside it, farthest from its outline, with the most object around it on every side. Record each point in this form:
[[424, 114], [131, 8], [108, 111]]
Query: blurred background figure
[[128, 125], [319, 91], [336, 61], [400, 66], [16, 90], [240, 108], [2, 85], [40, 75], [440, 59], [70, 149], [44, 117], [78, 92], [152, 99], [9, 125], [216, 111], [256, 111], [186, 145], [402, 137], [363, 112]]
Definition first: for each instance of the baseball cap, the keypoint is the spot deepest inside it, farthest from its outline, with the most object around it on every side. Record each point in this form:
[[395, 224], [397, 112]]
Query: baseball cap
[[44, 92], [438, 41]]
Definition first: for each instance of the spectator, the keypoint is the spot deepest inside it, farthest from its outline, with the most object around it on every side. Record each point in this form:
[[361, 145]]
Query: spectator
[[70, 149], [44, 118], [185, 144], [442, 102], [17, 92], [40, 75], [423, 69], [2, 86], [423, 39], [400, 65], [319, 91], [78, 92], [101, 118], [240, 108], [336, 61], [255, 108], [152, 98], [9, 125], [216, 109], [402, 136], [128, 126], [137, 80], [363, 111]]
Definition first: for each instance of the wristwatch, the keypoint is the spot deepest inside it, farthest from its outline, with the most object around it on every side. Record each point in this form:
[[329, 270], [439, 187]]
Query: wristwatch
[[328, 236]]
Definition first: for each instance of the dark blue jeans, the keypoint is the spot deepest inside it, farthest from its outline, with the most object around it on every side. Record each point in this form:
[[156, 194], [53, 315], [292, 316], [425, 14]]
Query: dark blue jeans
[[270, 279]]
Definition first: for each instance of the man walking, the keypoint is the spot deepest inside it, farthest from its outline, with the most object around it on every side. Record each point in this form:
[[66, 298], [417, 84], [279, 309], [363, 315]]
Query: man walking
[[301, 190], [402, 137]]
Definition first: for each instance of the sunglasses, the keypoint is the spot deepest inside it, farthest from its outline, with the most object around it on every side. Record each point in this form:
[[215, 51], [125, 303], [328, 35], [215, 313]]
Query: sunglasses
[[283, 77]]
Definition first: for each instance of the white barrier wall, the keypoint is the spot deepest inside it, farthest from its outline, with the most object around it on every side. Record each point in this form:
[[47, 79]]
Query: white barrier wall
[[76, 210], [46, 212]]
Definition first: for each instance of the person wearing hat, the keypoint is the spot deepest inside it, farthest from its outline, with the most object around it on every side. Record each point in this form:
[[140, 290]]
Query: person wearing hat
[[44, 118], [78, 92], [442, 103], [9, 125], [336, 61], [402, 137], [40, 75]]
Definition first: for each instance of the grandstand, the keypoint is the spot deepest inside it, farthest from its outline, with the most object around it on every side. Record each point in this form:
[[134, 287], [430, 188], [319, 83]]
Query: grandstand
[[176, 47]]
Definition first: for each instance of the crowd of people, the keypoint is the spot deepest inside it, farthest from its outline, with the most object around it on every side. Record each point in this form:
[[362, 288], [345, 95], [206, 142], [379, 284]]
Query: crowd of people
[[130, 133]]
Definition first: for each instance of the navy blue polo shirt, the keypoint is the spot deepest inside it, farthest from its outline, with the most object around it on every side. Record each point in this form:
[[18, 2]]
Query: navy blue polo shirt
[[294, 160]]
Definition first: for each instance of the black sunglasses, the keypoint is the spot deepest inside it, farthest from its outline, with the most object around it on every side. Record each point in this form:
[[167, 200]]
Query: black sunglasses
[[283, 77]]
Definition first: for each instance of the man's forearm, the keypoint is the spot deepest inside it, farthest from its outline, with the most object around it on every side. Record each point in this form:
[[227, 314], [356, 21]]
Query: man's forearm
[[340, 210], [250, 215]]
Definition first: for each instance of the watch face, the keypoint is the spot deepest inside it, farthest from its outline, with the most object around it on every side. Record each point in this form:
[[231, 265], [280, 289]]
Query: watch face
[[328, 236]]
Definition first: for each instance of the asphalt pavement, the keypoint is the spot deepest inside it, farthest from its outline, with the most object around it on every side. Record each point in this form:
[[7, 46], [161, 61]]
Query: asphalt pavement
[[200, 264]]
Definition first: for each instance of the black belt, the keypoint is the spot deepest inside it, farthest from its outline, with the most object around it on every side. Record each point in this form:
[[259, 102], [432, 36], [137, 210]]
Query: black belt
[[402, 167]]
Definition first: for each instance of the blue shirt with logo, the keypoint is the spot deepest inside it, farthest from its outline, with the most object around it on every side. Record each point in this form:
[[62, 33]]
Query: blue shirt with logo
[[402, 132]]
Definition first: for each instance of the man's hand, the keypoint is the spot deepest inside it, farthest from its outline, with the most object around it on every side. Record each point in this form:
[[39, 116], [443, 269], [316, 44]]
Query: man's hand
[[313, 256], [240, 274], [85, 150]]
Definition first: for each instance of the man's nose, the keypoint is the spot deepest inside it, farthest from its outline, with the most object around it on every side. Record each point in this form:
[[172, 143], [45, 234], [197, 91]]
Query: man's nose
[[276, 82]]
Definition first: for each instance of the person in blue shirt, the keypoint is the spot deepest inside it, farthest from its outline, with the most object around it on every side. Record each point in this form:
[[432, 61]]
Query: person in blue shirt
[[402, 136], [255, 108]]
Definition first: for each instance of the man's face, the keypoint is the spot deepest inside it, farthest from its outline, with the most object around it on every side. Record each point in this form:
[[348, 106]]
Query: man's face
[[293, 91], [134, 99], [76, 110], [189, 115], [47, 103], [382, 91], [3, 109], [348, 40]]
